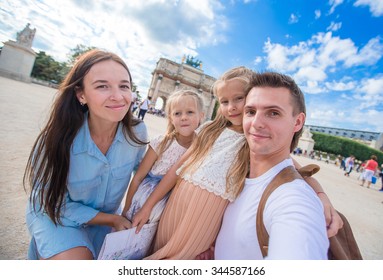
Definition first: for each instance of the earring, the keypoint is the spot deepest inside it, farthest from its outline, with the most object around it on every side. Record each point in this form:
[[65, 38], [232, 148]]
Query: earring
[[82, 104]]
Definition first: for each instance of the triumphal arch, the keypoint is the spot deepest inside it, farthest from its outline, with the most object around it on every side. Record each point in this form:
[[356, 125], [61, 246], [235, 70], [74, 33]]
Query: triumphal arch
[[169, 76]]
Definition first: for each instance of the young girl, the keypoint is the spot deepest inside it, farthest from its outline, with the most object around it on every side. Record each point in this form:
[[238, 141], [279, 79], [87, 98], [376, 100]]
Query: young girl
[[208, 179], [185, 112]]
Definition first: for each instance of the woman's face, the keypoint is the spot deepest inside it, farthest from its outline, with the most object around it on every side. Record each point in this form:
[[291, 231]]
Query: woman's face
[[106, 92]]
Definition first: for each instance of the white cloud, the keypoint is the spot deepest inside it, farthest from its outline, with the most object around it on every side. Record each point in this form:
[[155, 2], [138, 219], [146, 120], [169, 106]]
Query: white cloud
[[336, 115], [310, 73], [311, 62], [332, 50], [368, 55], [293, 19], [340, 86], [139, 31], [317, 14], [370, 93], [258, 60], [334, 26], [376, 6], [334, 4]]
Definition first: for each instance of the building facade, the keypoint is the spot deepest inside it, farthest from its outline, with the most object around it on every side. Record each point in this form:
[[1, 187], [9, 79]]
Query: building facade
[[372, 139]]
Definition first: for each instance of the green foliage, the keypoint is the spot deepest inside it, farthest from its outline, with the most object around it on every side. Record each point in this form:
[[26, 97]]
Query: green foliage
[[47, 69], [343, 146], [76, 52]]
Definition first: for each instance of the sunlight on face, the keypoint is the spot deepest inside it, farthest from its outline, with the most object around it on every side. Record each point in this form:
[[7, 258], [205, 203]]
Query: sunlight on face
[[185, 116], [107, 91], [268, 122], [231, 97]]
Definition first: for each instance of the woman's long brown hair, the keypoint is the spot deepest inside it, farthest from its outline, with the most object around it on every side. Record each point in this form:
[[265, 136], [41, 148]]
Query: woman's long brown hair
[[48, 164]]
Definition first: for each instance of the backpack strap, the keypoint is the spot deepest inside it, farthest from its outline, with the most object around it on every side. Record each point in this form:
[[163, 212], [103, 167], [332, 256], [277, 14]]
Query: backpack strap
[[288, 174]]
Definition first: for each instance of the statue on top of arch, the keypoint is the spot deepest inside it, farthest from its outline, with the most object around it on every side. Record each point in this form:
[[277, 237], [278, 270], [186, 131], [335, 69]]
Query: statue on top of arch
[[190, 61], [25, 37]]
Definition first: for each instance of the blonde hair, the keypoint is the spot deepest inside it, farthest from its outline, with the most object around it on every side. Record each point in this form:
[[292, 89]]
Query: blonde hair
[[175, 98], [210, 132]]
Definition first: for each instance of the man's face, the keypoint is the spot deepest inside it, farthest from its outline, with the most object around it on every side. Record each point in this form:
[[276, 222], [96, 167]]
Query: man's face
[[268, 121]]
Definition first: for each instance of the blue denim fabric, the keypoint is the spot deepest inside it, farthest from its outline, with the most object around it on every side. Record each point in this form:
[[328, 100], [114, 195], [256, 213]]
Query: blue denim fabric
[[96, 182]]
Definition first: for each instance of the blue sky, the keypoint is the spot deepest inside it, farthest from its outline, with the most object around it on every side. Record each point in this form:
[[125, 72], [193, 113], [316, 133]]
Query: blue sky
[[332, 48]]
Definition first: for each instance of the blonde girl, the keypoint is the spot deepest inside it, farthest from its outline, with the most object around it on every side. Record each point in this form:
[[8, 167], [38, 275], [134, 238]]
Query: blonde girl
[[193, 214], [210, 177], [184, 110]]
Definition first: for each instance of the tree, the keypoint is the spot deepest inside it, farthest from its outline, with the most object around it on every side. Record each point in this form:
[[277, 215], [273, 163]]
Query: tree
[[76, 52], [48, 69]]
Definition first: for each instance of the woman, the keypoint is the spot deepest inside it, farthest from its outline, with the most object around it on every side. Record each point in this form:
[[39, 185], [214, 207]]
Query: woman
[[81, 163]]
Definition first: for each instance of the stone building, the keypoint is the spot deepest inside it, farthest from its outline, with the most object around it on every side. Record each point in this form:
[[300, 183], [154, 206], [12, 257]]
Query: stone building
[[169, 76], [17, 57], [372, 139]]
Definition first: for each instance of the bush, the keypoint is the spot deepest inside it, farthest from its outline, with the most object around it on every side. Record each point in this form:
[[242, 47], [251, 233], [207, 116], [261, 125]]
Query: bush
[[345, 147]]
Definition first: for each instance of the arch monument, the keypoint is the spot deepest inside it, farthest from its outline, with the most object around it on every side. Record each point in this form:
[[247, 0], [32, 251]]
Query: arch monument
[[169, 76]]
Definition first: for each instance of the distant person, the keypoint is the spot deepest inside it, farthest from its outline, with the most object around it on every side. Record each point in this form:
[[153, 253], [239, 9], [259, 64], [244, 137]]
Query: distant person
[[134, 99], [327, 158], [369, 170], [342, 163], [144, 107], [135, 106], [381, 176], [81, 163], [349, 165]]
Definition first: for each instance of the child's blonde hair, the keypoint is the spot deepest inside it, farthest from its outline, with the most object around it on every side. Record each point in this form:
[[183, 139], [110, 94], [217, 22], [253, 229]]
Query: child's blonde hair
[[209, 134], [175, 98]]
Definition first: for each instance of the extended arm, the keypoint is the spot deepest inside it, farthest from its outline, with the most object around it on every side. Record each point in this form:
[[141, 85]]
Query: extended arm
[[116, 221], [143, 170], [164, 186], [333, 220]]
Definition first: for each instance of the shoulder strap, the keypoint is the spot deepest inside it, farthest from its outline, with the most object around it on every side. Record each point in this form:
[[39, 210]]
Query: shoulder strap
[[288, 174]]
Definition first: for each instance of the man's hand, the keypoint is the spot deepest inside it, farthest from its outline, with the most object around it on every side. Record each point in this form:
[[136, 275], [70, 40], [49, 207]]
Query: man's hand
[[333, 221]]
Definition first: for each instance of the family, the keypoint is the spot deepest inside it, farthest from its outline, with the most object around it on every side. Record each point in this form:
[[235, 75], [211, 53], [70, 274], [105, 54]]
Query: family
[[200, 182]]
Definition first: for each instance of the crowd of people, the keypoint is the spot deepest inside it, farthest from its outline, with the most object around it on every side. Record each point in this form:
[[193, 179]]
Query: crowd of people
[[369, 170], [200, 182]]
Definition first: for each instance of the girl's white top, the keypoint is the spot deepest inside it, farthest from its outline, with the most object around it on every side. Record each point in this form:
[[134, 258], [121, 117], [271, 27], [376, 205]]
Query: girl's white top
[[211, 173], [169, 157]]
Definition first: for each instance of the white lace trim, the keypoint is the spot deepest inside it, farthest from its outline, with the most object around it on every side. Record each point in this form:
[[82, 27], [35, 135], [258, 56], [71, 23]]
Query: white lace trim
[[211, 173], [169, 157]]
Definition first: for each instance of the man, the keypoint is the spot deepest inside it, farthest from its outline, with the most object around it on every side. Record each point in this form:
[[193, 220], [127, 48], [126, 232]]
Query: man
[[144, 107], [274, 116], [133, 106]]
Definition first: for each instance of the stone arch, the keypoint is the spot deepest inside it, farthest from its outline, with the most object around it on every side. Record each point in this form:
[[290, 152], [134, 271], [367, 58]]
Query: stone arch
[[169, 76], [164, 99]]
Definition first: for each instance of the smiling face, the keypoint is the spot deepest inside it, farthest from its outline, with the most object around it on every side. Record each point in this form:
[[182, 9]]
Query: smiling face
[[106, 91], [231, 96], [269, 122], [185, 116]]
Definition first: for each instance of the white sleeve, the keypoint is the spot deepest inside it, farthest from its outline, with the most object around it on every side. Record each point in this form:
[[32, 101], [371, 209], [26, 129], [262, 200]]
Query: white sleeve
[[294, 219], [155, 142]]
